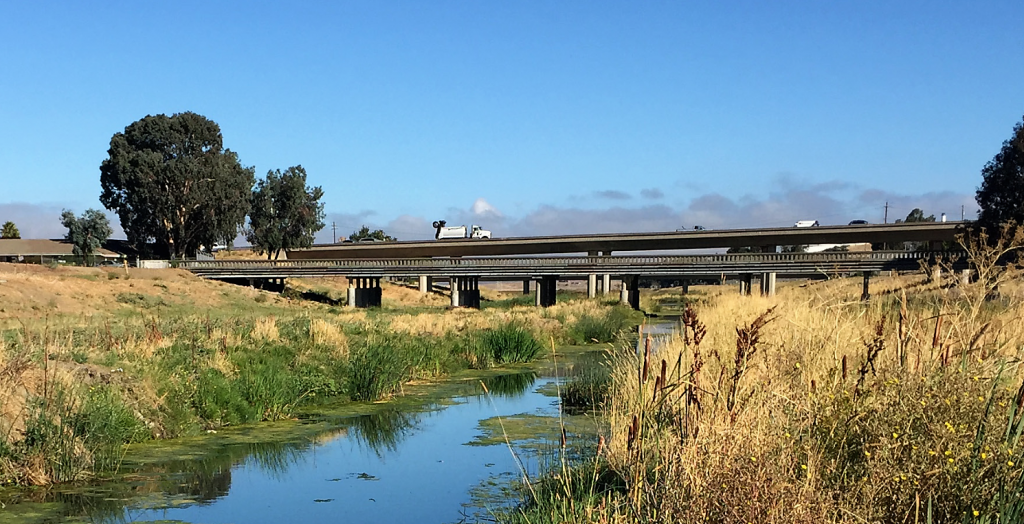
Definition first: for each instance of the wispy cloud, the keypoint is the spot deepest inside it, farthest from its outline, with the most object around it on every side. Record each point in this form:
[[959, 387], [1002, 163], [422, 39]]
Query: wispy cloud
[[611, 194], [652, 193]]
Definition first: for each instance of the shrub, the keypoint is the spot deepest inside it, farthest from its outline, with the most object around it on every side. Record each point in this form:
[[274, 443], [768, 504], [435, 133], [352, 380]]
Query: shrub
[[512, 342]]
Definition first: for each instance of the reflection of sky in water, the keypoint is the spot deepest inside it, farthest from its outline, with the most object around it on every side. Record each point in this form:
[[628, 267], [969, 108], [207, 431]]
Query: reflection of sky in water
[[425, 476]]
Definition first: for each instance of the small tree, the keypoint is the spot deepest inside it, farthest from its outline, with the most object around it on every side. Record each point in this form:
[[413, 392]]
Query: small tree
[[376, 234], [9, 230], [87, 232], [285, 213], [917, 216], [1001, 195]]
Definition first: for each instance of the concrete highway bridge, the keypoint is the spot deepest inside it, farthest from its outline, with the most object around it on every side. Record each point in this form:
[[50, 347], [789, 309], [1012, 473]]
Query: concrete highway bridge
[[465, 273], [606, 244]]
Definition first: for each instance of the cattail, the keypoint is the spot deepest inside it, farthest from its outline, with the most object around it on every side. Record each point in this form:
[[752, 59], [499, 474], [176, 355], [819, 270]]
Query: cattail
[[844, 368], [664, 373], [600, 444], [647, 359], [814, 385], [938, 331], [657, 387]]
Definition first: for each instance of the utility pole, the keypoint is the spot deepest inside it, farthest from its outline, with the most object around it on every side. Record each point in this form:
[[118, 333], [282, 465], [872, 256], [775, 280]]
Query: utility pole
[[961, 213], [334, 232], [885, 218]]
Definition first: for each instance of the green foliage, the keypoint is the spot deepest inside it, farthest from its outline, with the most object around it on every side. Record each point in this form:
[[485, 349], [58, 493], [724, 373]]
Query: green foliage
[[916, 216], [88, 232], [599, 327], [170, 179], [511, 342], [139, 300], [589, 385], [9, 230], [377, 368], [285, 212], [1001, 195], [377, 234]]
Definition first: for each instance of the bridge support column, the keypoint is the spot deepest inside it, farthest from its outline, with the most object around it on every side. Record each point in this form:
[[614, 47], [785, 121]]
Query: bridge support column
[[546, 289], [630, 291], [746, 280], [865, 293], [469, 292], [453, 285], [526, 286], [768, 284], [592, 285], [685, 285], [965, 277], [351, 298], [536, 290], [424, 284], [367, 292], [606, 279]]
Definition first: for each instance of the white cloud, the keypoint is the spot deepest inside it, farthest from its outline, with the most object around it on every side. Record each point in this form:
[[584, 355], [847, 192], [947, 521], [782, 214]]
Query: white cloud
[[483, 208]]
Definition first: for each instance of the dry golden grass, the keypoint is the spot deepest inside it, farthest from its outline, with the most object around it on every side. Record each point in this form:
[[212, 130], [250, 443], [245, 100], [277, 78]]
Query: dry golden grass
[[765, 434], [265, 328], [324, 333]]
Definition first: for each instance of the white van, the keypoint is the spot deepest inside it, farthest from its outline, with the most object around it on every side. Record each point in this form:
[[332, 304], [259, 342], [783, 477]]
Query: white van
[[807, 223]]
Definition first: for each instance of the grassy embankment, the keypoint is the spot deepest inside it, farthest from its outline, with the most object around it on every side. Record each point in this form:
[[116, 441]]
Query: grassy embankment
[[814, 407], [91, 360]]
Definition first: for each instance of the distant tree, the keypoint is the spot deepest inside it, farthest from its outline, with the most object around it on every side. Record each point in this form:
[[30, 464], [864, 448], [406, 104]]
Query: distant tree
[[917, 216], [285, 214], [171, 181], [802, 248], [378, 234], [87, 232], [744, 249], [1001, 195], [9, 230]]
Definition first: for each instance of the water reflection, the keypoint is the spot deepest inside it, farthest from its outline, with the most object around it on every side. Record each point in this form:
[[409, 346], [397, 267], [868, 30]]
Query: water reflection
[[512, 385], [421, 469]]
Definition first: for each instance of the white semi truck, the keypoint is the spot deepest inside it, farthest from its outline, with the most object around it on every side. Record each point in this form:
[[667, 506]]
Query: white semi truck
[[444, 231]]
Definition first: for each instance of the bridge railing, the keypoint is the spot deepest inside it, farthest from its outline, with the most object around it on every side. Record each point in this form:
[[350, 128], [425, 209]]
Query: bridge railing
[[597, 262]]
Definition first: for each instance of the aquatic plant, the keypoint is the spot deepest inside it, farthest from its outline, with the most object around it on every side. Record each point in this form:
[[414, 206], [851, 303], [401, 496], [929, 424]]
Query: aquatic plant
[[512, 342]]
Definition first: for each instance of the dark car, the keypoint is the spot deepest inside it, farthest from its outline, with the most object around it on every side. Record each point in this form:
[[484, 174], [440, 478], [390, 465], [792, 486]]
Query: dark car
[[858, 222]]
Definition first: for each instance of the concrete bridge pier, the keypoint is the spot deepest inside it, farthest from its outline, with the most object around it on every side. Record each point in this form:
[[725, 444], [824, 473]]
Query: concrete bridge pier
[[526, 286], [965, 277], [546, 288], [592, 285], [685, 286], [630, 291], [606, 279], [364, 292], [768, 284], [469, 292], [746, 281], [424, 284], [865, 293]]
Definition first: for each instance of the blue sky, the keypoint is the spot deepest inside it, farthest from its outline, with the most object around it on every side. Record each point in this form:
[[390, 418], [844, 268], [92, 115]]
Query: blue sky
[[529, 117]]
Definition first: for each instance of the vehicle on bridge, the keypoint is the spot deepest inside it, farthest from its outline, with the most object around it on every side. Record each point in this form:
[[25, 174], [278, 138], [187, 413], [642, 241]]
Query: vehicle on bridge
[[807, 223], [444, 231]]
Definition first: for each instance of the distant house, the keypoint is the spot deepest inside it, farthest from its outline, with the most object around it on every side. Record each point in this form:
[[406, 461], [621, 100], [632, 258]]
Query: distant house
[[41, 251]]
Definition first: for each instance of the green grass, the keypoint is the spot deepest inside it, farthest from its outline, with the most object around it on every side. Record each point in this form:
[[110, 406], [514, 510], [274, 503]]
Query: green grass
[[511, 342]]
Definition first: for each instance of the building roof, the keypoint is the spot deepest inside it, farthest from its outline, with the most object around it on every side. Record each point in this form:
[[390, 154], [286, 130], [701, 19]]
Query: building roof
[[36, 247]]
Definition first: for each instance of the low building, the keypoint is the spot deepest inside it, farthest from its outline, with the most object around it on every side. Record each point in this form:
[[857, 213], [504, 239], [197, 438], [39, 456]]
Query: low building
[[41, 251]]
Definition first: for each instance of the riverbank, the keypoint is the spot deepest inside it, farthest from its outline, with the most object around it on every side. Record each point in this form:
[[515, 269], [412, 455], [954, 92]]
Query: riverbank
[[123, 357], [813, 406]]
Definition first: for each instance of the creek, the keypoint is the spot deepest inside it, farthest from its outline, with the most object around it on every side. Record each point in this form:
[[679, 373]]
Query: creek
[[435, 454]]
